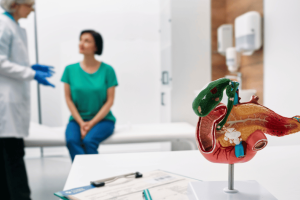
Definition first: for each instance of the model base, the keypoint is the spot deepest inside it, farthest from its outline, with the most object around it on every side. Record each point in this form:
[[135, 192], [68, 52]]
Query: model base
[[216, 190]]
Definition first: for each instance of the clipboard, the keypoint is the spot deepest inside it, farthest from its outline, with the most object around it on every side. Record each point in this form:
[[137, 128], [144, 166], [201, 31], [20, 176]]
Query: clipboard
[[161, 184]]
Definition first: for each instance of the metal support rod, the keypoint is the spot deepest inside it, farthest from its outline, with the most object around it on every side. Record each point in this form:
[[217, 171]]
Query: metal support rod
[[231, 177], [42, 152], [37, 61]]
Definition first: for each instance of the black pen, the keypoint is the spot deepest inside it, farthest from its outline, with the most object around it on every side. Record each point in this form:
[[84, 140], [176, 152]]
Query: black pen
[[102, 182]]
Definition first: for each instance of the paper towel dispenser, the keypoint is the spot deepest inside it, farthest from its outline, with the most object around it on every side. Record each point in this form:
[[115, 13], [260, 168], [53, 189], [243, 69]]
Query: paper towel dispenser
[[248, 32]]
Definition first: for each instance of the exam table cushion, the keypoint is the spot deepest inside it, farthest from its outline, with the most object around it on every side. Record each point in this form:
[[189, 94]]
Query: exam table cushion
[[41, 135]]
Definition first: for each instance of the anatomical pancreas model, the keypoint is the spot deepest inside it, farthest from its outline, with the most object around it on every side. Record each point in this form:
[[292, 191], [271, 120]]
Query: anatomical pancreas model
[[234, 133]]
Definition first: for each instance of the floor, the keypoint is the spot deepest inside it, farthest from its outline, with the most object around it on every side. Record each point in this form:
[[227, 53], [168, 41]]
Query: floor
[[48, 174]]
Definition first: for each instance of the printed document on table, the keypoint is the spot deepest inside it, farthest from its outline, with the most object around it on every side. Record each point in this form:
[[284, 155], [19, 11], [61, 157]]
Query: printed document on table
[[161, 184], [173, 191]]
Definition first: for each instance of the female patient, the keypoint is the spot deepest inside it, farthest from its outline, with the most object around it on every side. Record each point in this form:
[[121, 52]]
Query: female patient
[[89, 92]]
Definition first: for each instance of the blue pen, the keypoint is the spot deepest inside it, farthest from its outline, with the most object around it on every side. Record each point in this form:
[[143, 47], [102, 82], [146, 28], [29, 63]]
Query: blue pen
[[147, 195]]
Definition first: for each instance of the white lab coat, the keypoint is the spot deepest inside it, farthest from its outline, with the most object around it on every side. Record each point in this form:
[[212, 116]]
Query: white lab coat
[[15, 76]]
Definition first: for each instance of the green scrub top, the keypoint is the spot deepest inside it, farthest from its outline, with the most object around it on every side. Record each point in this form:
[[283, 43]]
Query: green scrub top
[[89, 91]]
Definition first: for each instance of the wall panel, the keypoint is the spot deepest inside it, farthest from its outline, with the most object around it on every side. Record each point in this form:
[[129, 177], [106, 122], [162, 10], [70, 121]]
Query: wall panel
[[225, 12]]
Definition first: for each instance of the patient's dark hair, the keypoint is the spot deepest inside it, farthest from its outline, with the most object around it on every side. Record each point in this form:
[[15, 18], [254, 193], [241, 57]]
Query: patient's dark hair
[[98, 40]]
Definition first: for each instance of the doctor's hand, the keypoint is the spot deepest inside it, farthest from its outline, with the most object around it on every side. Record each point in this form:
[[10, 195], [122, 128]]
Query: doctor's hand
[[40, 77], [43, 68]]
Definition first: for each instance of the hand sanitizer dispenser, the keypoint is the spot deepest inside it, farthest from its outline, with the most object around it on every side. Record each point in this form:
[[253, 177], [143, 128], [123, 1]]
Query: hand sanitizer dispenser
[[248, 32], [232, 59]]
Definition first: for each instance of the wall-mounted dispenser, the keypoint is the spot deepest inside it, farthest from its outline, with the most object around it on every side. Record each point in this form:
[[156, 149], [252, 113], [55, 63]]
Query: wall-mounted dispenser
[[248, 32], [233, 59], [224, 38]]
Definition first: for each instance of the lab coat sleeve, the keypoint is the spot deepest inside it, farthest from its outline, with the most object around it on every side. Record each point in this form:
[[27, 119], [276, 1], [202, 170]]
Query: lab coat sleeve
[[8, 68]]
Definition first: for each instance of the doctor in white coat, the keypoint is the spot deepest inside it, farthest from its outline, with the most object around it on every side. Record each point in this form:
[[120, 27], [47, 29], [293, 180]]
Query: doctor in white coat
[[15, 77]]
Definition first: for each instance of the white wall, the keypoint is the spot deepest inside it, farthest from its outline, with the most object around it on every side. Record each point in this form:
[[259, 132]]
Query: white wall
[[131, 46], [191, 55], [282, 60]]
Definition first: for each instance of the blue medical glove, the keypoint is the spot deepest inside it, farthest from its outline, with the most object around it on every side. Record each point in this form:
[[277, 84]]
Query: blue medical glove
[[40, 77], [44, 68]]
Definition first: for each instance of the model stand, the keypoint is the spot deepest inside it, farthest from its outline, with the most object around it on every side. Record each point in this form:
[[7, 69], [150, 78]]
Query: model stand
[[219, 190]]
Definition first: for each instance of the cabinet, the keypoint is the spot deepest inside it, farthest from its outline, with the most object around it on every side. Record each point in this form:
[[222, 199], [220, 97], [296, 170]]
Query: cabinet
[[165, 60]]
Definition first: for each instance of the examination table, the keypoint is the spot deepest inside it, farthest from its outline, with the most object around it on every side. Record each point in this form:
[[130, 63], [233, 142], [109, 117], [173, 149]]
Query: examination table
[[180, 134]]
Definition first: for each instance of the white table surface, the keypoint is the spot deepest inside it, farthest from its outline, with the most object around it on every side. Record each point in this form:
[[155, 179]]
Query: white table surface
[[275, 168]]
